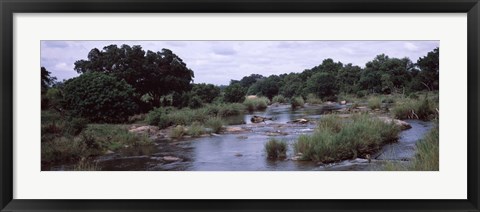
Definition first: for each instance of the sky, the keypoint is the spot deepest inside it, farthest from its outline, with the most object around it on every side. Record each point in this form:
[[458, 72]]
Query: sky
[[218, 62]]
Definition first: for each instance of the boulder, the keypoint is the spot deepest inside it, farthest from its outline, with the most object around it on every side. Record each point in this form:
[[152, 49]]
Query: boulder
[[234, 129], [402, 124], [258, 119], [171, 158], [148, 129], [343, 102], [299, 121]]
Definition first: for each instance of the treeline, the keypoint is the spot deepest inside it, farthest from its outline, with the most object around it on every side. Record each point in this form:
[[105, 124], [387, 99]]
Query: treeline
[[381, 75], [117, 82]]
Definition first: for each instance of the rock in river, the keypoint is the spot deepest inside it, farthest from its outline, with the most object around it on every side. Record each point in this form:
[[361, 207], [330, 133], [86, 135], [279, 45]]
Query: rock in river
[[402, 124]]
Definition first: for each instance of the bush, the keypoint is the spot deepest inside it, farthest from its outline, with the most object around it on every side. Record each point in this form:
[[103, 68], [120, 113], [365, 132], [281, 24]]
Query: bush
[[215, 123], [177, 132], [374, 103], [279, 99], [335, 141], [313, 99], [276, 149], [63, 149], [297, 102], [415, 109], [100, 98], [196, 129], [158, 117], [254, 104], [112, 137], [234, 93], [195, 102]]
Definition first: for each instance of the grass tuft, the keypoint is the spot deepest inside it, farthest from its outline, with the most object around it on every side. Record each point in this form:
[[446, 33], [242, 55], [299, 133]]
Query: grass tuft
[[276, 149]]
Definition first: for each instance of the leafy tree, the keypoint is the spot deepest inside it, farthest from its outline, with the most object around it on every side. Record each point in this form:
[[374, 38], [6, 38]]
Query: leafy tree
[[429, 69], [99, 98], [234, 93], [206, 92], [154, 73], [348, 77], [292, 85], [323, 85], [47, 80], [247, 81], [268, 87]]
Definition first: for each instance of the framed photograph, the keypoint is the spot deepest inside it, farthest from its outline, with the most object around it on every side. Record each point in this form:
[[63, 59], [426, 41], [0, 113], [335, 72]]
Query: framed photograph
[[255, 106]]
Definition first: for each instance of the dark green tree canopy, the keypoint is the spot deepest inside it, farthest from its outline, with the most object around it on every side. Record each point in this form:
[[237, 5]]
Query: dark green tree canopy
[[323, 85], [47, 80], [154, 73], [234, 93], [99, 97], [429, 66], [206, 92]]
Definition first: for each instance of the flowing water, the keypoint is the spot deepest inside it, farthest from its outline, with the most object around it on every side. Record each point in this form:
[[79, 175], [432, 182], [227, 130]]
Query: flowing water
[[244, 151]]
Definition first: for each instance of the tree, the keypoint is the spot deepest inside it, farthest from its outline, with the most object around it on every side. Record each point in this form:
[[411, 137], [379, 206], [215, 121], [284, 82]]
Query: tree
[[348, 77], [47, 80], [100, 98], [247, 81], [292, 85], [234, 93], [323, 85], [206, 92], [429, 69], [268, 87], [154, 73]]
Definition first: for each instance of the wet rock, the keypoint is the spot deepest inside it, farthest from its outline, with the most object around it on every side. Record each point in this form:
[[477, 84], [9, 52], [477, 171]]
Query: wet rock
[[234, 130], [242, 137], [171, 158], [402, 124], [238, 154], [299, 121], [258, 119], [276, 133], [148, 129]]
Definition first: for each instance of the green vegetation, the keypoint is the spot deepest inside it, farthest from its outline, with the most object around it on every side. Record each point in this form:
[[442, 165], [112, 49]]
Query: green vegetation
[[424, 109], [276, 149], [215, 123], [313, 99], [297, 102], [426, 157], [336, 140], [259, 103], [85, 165], [279, 99], [167, 116], [374, 102], [196, 129], [177, 132], [99, 98]]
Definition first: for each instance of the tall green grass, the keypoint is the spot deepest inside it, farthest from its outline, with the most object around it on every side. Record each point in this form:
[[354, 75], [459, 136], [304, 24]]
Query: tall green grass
[[313, 99], [336, 140], [279, 99], [424, 109], [374, 102], [297, 102], [165, 117], [427, 156], [253, 104], [215, 123], [276, 149]]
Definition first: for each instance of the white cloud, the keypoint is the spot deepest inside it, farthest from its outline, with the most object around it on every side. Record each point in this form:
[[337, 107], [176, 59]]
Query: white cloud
[[410, 46]]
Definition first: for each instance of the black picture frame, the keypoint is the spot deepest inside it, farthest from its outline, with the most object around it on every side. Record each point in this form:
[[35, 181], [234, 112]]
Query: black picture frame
[[9, 7]]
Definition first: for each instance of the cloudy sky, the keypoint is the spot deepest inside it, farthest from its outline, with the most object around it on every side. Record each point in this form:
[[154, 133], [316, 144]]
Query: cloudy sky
[[218, 62]]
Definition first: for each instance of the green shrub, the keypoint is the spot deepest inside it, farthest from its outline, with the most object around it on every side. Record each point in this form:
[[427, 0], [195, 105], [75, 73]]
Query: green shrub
[[415, 109], [158, 117], [196, 129], [297, 102], [177, 132], [63, 149], [313, 99], [276, 149], [215, 123], [279, 99], [254, 104], [100, 98], [374, 103], [195, 102], [231, 109], [112, 137], [334, 140]]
